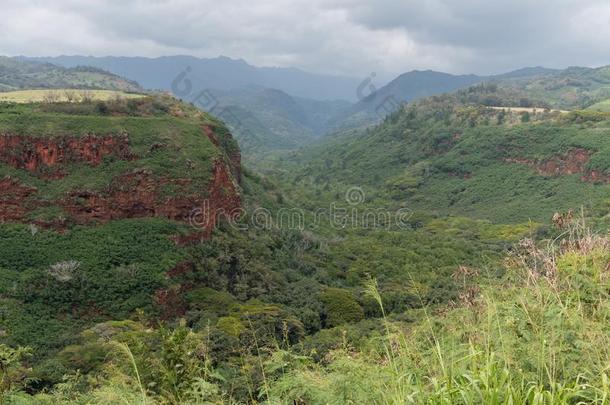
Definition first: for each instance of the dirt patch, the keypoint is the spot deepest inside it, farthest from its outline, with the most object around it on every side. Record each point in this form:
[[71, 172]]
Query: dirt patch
[[572, 162], [14, 200]]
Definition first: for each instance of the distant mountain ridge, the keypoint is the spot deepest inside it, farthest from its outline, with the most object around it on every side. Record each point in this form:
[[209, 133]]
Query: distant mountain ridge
[[405, 88], [216, 73]]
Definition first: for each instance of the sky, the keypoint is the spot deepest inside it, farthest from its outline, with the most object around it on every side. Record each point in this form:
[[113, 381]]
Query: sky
[[345, 37]]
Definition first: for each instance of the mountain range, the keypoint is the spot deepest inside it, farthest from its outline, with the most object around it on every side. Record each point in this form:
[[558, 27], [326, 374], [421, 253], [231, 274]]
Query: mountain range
[[220, 73]]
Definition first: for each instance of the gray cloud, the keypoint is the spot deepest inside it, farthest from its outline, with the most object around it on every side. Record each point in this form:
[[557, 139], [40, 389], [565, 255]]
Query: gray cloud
[[352, 37]]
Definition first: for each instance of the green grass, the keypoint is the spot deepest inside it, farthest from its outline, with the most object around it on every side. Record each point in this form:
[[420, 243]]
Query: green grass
[[536, 336], [602, 106]]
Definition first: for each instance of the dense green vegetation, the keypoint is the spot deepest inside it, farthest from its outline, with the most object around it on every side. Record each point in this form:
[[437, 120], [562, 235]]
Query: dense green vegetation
[[533, 333], [453, 156], [572, 88], [461, 290]]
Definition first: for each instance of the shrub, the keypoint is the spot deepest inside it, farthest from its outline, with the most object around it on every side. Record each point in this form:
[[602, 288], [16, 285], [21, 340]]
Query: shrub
[[340, 307]]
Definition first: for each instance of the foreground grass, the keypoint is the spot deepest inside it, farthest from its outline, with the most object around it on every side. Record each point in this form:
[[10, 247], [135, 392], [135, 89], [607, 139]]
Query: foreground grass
[[537, 335], [540, 336]]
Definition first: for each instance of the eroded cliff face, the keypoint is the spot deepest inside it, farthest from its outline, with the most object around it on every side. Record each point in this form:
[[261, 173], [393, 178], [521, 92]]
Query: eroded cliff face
[[573, 162], [135, 194], [46, 157], [234, 155]]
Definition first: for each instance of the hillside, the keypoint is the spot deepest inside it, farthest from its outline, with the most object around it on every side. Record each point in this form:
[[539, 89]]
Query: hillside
[[105, 236], [97, 206], [571, 88], [405, 88], [533, 335], [453, 155], [567, 89], [17, 74], [143, 263]]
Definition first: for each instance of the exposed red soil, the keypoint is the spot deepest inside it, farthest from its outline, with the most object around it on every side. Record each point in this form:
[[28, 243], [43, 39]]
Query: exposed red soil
[[209, 132], [35, 154], [573, 162], [234, 158], [14, 200], [135, 194], [595, 176]]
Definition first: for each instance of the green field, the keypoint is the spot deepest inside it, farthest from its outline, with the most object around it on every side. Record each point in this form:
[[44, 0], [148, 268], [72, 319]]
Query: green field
[[63, 95], [602, 106]]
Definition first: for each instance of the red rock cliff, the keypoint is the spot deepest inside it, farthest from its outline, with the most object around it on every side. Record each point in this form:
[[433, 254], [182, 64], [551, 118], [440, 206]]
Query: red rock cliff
[[35, 154], [134, 194]]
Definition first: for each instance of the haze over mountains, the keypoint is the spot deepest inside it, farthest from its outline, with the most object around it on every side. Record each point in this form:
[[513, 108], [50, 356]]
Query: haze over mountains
[[220, 73]]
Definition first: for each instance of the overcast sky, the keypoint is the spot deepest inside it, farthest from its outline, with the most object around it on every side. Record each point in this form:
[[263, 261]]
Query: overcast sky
[[350, 37]]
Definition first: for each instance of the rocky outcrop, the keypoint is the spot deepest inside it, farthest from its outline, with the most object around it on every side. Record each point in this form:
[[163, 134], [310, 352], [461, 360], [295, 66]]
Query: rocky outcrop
[[135, 194], [138, 194], [132, 195], [39, 154], [230, 148], [573, 162]]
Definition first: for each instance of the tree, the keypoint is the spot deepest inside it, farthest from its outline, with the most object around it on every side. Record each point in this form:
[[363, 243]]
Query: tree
[[10, 362]]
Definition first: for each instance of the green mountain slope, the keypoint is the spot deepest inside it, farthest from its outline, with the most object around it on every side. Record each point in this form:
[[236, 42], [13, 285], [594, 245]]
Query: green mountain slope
[[104, 236], [572, 88], [121, 288], [16, 74], [450, 154], [378, 103]]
